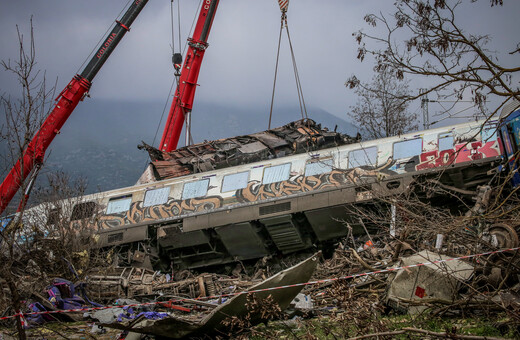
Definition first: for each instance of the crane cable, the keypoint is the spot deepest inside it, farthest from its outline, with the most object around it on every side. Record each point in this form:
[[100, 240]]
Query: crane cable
[[301, 99], [275, 74], [175, 80], [177, 63], [173, 25]]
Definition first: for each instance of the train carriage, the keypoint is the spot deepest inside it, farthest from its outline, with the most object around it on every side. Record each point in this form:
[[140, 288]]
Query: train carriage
[[278, 205]]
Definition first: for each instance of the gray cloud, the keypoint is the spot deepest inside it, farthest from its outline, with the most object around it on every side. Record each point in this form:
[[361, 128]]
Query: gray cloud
[[239, 64]]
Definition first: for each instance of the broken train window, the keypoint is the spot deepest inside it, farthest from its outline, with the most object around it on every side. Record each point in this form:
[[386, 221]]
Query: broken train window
[[54, 216], [83, 210]]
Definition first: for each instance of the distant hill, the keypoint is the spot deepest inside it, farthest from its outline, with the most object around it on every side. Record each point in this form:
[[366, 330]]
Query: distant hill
[[99, 142]]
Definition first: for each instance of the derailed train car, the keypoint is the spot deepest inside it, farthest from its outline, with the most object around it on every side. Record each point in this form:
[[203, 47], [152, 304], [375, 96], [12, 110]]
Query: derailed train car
[[276, 192]]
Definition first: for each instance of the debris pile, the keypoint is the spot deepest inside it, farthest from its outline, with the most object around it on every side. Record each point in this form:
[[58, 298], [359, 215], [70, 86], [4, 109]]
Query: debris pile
[[296, 137], [131, 282], [405, 258]]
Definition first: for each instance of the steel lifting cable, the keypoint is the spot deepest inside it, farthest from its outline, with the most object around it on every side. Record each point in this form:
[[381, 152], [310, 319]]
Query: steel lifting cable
[[199, 8], [174, 81], [179, 21], [177, 74], [174, 78], [301, 99], [178, 24], [172, 25], [275, 73]]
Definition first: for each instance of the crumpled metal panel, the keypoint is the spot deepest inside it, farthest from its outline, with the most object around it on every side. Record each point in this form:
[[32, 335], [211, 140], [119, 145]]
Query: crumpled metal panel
[[177, 327], [255, 147], [296, 137], [270, 140]]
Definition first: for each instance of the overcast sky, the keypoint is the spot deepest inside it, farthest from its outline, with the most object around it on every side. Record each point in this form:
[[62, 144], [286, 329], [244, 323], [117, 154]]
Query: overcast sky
[[239, 64]]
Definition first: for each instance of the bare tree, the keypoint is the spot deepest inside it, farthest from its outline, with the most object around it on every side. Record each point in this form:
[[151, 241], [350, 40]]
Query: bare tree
[[22, 116], [381, 110], [23, 113], [424, 38]]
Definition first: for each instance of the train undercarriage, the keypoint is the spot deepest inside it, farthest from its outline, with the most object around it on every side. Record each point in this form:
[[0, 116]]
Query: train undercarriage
[[287, 225]]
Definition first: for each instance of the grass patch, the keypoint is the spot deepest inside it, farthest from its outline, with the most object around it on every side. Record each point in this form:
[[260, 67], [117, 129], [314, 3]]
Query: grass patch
[[336, 327]]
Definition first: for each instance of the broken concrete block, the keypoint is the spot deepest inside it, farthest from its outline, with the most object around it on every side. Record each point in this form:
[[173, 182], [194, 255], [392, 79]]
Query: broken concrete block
[[408, 287]]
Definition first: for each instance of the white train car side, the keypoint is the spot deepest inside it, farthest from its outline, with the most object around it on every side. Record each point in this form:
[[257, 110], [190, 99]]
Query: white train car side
[[279, 205]]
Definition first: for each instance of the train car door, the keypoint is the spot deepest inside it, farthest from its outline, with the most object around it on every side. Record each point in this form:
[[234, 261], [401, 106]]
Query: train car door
[[510, 134]]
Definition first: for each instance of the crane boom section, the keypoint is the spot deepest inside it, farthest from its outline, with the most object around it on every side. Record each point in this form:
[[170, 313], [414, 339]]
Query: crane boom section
[[66, 102], [114, 37], [185, 92]]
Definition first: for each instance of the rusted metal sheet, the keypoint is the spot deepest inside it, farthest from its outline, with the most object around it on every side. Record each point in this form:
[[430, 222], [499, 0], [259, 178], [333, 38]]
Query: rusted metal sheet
[[296, 137]]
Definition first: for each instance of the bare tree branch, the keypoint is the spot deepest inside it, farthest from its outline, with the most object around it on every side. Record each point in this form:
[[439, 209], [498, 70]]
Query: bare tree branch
[[423, 38]]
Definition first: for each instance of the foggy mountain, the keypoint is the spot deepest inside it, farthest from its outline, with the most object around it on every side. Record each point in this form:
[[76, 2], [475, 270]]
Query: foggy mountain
[[99, 141]]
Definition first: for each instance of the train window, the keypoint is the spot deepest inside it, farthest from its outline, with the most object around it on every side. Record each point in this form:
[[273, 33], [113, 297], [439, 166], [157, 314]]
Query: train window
[[318, 167], [489, 134], [54, 216], [361, 157], [119, 204], [83, 210], [235, 181], [277, 173], [195, 189], [445, 142], [515, 131], [156, 196], [408, 148]]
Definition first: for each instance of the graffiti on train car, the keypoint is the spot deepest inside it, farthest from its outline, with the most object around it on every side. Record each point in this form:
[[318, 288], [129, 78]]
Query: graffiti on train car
[[463, 152], [256, 191], [137, 213]]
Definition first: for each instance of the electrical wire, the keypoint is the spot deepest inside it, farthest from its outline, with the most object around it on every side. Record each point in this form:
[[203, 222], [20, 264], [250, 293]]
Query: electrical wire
[[453, 115]]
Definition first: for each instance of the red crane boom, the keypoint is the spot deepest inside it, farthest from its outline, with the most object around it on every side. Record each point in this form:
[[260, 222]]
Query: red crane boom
[[185, 92], [66, 102]]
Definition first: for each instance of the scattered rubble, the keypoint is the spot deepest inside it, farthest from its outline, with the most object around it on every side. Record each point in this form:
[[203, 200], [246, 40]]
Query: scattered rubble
[[209, 316], [296, 137], [409, 271]]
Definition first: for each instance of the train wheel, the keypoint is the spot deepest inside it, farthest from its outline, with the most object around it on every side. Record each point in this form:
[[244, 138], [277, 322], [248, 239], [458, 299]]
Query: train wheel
[[501, 269], [504, 235]]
